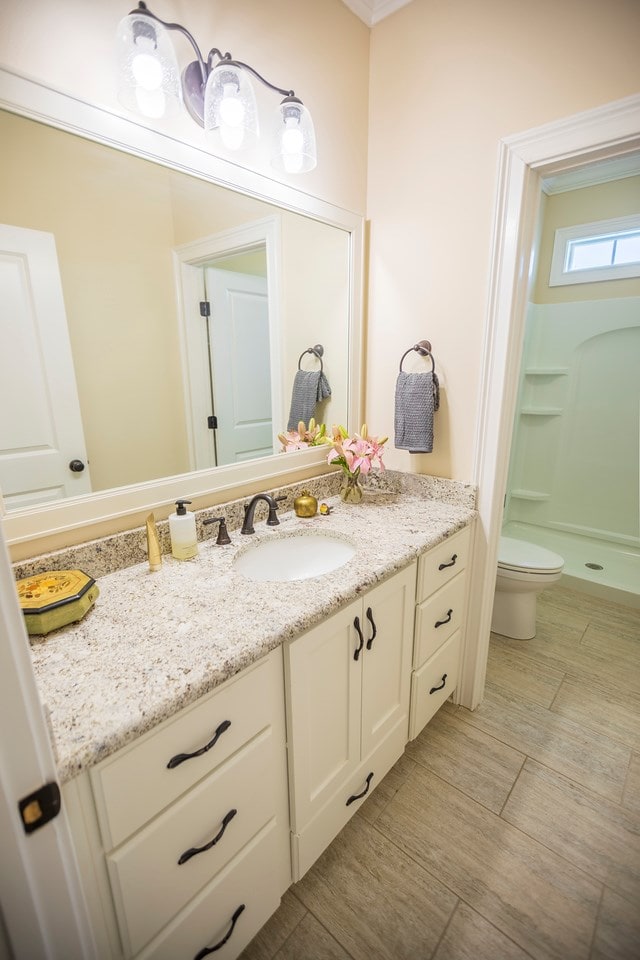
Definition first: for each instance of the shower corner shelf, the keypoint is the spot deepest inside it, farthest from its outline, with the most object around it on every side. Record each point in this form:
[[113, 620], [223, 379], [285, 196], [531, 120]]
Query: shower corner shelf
[[529, 495], [541, 411], [546, 371]]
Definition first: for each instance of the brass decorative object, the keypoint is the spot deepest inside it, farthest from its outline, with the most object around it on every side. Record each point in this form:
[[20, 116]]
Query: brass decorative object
[[305, 505], [55, 599]]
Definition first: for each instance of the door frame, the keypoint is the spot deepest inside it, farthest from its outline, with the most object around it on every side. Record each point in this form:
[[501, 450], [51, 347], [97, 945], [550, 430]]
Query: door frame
[[41, 899], [605, 132], [188, 258]]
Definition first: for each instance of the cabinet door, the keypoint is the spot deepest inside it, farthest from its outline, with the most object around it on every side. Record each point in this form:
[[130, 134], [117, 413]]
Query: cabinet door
[[324, 711], [386, 658]]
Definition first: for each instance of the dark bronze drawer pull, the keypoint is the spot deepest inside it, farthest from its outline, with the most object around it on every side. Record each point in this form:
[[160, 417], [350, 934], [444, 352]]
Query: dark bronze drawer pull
[[441, 623], [357, 651], [443, 566], [358, 796], [207, 950], [181, 757], [373, 627], [194, 850], [440, 686]]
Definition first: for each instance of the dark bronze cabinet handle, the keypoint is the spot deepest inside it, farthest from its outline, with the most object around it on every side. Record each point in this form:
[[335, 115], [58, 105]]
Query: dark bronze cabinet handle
[[443, 566], [447, 619], [194, 850], [440, 686], [181, 757], [357, 651], [357, 796], [218, 946], [373, 627]]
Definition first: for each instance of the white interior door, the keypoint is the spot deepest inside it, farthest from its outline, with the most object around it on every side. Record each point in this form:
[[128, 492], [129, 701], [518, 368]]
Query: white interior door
[[240, 364], [40, 425], [42, 907]]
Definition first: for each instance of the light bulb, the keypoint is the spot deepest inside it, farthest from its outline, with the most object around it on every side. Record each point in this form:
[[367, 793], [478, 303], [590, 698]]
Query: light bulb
[[232, 110], [147, 71], [292, 139]]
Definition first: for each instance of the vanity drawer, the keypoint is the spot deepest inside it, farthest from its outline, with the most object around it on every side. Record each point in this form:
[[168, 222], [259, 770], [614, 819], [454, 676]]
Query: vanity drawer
[[149, 884], [136, 783], [246, 882], [434, 683], [442, 563], [438, 617]]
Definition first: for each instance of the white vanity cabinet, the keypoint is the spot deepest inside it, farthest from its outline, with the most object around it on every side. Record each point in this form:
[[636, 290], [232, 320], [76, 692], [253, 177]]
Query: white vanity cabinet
[[193, 823], [440, 598], [347, 683]]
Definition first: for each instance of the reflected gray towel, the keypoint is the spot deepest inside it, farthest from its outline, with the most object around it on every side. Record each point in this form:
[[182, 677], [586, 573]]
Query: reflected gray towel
[[417, 398], [309, 388]]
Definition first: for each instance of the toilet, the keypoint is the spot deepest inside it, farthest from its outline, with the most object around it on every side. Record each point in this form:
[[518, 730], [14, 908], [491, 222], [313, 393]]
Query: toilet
[[524, 570]]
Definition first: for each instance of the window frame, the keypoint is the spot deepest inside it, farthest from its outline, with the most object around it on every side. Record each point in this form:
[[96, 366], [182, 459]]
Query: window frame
[[559, 276]]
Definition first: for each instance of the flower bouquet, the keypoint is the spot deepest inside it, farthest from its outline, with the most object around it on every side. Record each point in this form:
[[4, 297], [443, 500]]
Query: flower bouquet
[[312, 436], [357, 454]]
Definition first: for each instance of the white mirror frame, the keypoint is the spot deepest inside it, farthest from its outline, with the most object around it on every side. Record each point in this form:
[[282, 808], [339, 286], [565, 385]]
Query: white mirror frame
[[28, 98]]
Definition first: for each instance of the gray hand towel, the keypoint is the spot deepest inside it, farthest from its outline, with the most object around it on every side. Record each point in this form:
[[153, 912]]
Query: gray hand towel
[[309, 388], [417, 398]]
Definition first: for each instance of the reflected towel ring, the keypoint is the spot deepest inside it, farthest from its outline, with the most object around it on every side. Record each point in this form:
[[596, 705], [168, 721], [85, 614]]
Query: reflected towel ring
[[317, 351], [423, 347]]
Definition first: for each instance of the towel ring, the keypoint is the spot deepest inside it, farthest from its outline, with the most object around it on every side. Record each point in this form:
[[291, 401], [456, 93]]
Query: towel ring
[[423, 347], [317, 351]]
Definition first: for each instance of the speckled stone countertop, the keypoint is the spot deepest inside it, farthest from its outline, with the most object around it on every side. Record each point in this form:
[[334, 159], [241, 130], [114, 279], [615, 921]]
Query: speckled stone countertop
[[156, 642]]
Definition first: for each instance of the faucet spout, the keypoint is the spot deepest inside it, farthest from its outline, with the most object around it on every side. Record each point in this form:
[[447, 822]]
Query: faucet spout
[[250, 509]]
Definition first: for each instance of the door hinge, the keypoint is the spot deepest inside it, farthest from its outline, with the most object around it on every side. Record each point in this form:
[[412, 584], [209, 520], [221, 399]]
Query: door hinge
[[40, 807], [205, 308], [212, 423]]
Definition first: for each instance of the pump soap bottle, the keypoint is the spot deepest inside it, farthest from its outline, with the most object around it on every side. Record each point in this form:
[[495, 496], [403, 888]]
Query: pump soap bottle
[[182, 529]]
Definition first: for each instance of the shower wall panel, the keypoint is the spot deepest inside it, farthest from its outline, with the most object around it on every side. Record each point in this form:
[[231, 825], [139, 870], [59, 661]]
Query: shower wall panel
[[575, 458]]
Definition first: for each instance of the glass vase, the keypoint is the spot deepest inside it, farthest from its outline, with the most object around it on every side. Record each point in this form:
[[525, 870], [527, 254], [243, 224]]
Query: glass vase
[[351, 491]]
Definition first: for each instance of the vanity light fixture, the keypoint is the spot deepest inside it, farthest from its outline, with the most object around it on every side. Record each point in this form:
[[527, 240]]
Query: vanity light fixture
[[217, 92]]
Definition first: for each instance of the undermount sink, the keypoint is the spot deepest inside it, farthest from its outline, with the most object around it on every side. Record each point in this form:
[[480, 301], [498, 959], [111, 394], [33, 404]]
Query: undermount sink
[[293, 557]]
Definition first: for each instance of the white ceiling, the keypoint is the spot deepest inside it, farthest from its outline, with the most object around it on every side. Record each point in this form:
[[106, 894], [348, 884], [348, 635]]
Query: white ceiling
[[372, 11]]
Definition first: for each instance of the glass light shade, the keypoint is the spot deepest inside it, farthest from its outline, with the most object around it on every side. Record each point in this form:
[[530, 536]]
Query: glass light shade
[[149, 78], [230, 109], [294, 139]]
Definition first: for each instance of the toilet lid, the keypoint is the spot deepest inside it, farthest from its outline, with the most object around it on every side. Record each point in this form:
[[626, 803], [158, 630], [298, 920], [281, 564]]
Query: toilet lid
[[522, 555]]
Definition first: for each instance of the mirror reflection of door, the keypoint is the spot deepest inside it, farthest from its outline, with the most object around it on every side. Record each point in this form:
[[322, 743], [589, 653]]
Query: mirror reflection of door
[[239, 364], [228, 336], [42, 448]]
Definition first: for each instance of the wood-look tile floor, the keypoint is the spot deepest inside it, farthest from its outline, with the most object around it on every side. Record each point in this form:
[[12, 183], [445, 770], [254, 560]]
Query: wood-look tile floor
[[508, 833]]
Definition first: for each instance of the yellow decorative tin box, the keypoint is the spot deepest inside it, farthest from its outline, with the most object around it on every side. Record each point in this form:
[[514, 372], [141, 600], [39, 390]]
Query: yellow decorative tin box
[[52, 600]]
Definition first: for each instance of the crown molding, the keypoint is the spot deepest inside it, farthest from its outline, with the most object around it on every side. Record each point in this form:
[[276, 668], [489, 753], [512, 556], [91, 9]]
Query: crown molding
[[373, 11]]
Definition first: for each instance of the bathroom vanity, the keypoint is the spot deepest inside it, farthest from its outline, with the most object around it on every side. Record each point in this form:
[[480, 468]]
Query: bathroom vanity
[[215, 734]]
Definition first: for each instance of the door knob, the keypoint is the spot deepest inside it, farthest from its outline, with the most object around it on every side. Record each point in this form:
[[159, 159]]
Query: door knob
[[76, 466]]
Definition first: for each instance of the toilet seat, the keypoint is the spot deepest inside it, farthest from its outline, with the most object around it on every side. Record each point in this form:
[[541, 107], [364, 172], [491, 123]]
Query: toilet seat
[[523, 557]]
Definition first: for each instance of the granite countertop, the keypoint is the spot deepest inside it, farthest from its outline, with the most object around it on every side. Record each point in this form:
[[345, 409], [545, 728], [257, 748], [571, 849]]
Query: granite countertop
[[156, 642]]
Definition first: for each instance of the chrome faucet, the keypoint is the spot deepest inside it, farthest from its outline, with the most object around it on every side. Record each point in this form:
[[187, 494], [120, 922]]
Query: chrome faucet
[[250, 509]]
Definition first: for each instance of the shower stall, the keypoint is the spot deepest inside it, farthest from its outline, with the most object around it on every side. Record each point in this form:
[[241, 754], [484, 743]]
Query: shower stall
[[574, 474]]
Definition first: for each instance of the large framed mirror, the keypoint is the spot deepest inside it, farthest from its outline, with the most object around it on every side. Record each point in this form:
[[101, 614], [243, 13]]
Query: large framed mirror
[[135, 236]]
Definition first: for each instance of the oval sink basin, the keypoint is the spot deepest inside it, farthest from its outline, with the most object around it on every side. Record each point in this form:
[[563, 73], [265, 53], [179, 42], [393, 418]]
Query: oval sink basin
[[293, 558]]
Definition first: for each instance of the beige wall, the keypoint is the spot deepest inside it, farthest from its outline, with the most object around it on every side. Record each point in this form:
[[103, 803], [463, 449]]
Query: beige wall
[[317, 47], [603, 201], [449, 79]]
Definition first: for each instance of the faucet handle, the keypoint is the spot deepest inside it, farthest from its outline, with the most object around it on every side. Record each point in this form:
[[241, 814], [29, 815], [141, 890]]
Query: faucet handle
[[223, 534], [273, 520]]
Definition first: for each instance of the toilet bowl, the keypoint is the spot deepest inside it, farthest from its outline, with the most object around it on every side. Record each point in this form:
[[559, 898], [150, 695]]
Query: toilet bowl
[[524, 570]]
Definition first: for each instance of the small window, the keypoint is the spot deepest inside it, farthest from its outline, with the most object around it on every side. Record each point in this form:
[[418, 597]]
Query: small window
[[588, 252]]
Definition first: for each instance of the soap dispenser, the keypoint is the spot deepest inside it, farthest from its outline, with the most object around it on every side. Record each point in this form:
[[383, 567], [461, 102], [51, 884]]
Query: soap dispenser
[[182, 529]]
